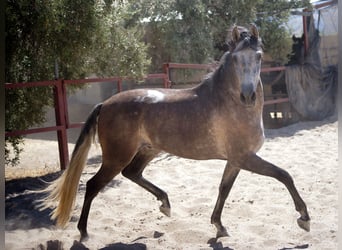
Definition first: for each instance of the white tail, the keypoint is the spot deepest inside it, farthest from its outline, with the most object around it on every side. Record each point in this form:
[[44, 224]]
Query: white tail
[[63, 190]]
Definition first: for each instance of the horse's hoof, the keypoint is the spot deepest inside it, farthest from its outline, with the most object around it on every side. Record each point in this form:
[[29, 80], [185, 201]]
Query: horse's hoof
[[304, 224], [165, 210], [222, 233], [84, 237]]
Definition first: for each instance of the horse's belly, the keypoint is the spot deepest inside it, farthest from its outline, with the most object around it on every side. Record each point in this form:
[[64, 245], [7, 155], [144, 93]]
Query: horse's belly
[[193, 143], [195, 151], [206, 142]]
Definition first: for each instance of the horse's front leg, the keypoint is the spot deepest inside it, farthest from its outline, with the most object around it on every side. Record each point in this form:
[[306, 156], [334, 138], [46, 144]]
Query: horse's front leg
[[257, 165], [228, 178]]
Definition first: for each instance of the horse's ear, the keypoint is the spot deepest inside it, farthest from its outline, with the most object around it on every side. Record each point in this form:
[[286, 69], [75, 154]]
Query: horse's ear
[[235, 34], [254, 31]]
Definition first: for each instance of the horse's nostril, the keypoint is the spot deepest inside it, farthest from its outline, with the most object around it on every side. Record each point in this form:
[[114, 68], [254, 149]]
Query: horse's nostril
[[242, 98], [253, 97], [248, 99]]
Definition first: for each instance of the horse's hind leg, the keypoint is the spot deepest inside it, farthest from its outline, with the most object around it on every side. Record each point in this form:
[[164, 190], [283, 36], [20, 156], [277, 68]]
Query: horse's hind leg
[[134, 172], [94, 185], [257, 165], [228, 178]]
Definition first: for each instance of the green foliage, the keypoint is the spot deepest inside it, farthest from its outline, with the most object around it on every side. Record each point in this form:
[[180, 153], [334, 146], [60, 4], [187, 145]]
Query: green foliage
[[23, 108], [271, 18], [224, 14], [82, 36], [121, 37], [13, 151], [195, 31], [117, 48], [174, 30]]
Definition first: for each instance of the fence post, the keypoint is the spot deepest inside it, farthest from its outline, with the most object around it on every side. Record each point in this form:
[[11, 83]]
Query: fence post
[[61, 121], [119, 85], [167, 82]]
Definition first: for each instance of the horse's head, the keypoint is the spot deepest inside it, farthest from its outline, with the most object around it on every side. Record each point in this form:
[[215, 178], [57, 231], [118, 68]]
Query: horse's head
[[246, 54]]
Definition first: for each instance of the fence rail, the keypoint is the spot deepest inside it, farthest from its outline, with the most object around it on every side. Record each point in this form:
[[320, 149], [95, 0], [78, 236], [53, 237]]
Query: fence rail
[[61, 103]]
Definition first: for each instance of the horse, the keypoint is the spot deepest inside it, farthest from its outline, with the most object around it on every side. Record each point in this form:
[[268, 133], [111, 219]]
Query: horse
[[220, 118]]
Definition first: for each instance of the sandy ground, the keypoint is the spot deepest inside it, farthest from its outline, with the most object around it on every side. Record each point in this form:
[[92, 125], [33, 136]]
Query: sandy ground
[[259, 213]]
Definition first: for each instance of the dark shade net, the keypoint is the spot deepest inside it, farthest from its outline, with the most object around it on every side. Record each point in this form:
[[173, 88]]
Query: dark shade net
[[312, 86]]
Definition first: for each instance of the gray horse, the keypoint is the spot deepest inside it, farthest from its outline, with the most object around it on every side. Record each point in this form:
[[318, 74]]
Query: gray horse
[[221, 118]]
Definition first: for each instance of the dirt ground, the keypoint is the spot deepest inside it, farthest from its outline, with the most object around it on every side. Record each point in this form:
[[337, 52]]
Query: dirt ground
[[259, 213]]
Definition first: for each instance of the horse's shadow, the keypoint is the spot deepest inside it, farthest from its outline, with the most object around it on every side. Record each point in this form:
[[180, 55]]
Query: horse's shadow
[[122, 246], [21, 210], [216, 245], [22, 213], [22, 202], [58, 245]]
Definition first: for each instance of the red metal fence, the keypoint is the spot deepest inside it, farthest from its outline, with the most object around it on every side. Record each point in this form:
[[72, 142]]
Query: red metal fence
[[61, 104]]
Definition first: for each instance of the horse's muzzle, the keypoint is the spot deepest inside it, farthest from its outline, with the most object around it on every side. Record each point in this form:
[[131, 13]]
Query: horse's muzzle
[[248, 95]]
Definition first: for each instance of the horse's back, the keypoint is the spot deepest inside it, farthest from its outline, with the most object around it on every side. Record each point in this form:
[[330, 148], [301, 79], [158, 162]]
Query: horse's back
[[176, 121]]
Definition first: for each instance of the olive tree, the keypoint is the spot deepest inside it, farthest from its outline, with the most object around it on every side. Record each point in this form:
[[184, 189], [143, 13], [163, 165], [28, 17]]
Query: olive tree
[[82, 37]]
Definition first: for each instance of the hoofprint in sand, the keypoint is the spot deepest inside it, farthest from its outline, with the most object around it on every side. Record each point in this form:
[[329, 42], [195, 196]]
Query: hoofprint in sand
[[259, 212]]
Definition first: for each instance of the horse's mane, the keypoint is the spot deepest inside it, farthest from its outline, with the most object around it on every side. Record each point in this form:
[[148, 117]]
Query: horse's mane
[[246, 40]]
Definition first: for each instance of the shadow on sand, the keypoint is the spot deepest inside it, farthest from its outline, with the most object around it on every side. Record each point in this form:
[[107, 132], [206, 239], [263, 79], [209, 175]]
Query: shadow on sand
[[58, 245], [20, 203], [21, 213]]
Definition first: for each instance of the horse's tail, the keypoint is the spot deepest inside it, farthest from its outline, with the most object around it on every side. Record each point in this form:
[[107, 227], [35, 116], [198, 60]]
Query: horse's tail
[[64, 189]]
